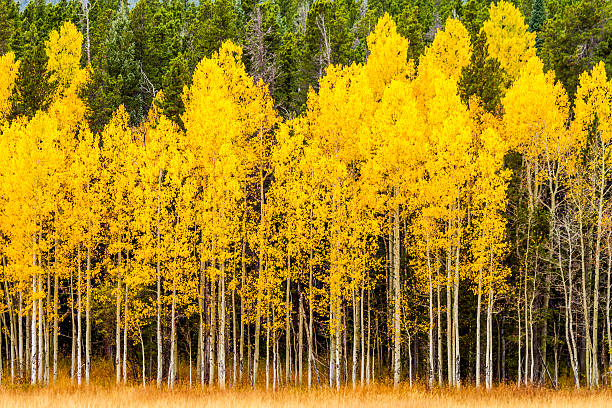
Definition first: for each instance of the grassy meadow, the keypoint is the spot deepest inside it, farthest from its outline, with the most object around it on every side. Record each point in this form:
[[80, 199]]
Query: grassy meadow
[[65, 395]]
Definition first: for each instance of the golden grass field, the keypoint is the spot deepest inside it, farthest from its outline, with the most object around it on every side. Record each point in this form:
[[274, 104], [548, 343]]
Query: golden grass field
[[68, 396]]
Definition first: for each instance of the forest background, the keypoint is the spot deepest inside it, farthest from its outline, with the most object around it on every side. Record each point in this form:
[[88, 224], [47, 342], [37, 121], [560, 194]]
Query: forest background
[[307, 193]]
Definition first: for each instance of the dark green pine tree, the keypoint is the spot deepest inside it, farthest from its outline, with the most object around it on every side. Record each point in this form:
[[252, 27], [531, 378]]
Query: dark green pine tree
[[577, 38], [329, 38], [32, 88], [9, 24], [475, 12], [215, 22], [288, 93], [409, 26], [122, 66], [175, 78], [62, 11], [116, 75], [147, 23], [537, 19], [482, 77]]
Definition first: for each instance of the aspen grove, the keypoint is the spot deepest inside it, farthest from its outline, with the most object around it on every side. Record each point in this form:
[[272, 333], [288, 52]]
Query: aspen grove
[[444, 219]]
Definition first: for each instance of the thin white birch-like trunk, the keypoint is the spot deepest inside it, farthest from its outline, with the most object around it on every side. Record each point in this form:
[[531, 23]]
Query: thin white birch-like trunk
[[55, 323], [397, 362], [222, 319], [79, 328], [33, 371], [118, 332], [457, 362], [431, 318], [288, 323], [125, 331], [172, 366], [88, 317], [478, 313]]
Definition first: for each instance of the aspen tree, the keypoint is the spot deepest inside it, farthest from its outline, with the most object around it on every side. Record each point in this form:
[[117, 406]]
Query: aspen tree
[[509, 39], [9, 67], [64, 52], [336, 132], [398, 157], [387, 70], [248, 115], [594, 119], [536, 113], [446, 124], [488, 248], [118, 174]]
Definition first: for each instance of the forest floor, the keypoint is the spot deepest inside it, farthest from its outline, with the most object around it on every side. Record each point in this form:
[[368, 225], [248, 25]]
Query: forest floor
[[69, 396]]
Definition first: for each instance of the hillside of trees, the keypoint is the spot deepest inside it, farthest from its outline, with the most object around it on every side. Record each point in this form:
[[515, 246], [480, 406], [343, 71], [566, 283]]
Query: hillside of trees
[[306, 194]]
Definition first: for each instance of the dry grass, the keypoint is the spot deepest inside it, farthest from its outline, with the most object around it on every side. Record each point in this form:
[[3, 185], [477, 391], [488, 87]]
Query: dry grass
[[67, 396]]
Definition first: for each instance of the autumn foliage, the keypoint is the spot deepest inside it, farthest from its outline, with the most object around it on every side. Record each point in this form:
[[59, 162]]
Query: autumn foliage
[[331, 244]]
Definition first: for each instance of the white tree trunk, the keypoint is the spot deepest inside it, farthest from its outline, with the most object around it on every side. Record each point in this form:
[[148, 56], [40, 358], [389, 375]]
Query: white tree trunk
[[79, 328], [221, 341], [34, 351], [397, 362]]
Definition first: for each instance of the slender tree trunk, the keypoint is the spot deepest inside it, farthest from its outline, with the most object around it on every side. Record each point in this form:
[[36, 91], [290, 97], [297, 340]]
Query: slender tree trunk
[[450, 344], [362, 335], [431, 317], [200, 360], [221, 341], [332, 345], [608, 328], [338, 342], [355, 337], [585, 306], [369, 343], [567, 295], [118, 326], [118, 332], [142, 349], [456, 321], [46, 328], [20, 345], [439, 329], [397, 363], [41, 323], [489, 348], [73, 327], [33, 370], [79, 328], [1, 362], [259, 277], [288, 323], [519, 336], [598, 238], [125, 332], [242, 316], [160, 366], [55, 322], [267, 349], [212, 329], [301, 339], [310, 339], [478, 313], [172, 366], [409, 359], [88, 318], [28, 345], [234, 332], [13, 344], [160, 355]]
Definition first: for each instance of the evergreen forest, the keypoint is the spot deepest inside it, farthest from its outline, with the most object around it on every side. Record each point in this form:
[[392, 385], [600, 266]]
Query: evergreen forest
[[306, 193]]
